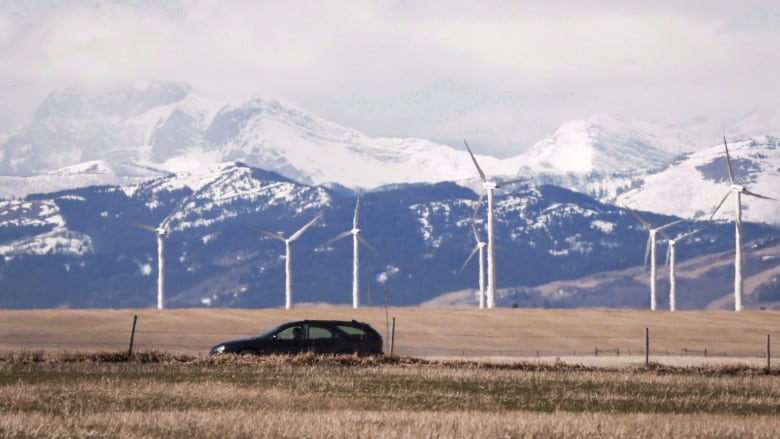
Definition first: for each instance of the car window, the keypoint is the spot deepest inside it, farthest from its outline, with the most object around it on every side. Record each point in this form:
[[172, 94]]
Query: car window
[[351, 330], [270, 332], [318, 332], [290, 333]]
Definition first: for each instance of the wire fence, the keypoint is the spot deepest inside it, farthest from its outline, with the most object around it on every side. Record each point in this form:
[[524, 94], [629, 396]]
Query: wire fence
[[461, 344]]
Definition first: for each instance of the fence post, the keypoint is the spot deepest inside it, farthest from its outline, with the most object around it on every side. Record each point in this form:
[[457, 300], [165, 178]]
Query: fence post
[[132, 337], [647, 347], [768, 353], [392, 338]]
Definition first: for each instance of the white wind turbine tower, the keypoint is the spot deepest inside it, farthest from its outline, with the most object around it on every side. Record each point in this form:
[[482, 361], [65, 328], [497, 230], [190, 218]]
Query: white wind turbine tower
[[480, 247], [490, 186], [161, 231], [357, 239], [650, 251], [288, 257], [670, 262], [738, 190]]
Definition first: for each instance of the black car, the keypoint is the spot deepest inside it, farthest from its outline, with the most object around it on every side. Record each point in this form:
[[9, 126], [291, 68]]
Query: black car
[[318, 336]]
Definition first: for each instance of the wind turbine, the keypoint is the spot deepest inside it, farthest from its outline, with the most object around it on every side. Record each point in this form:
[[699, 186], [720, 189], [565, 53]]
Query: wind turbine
[[288, 257], [356, 240], [489, 187], [480, 247], [670, 262], [650, 250], [738, 189], [161, 231]]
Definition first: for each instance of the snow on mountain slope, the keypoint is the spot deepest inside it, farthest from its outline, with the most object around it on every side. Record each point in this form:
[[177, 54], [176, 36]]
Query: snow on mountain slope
[[693, 186], [604, 143], [299, 145], [222, 191], [166, 125], [124, 124], [90, 173], [47, 231]]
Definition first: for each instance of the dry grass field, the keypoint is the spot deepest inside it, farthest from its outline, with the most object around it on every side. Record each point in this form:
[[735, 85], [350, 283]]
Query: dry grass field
[[161, 395], [64, 373], [421, 332]]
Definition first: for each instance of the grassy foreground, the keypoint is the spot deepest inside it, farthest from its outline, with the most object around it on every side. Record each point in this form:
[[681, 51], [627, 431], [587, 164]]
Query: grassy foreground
[[165, 395]]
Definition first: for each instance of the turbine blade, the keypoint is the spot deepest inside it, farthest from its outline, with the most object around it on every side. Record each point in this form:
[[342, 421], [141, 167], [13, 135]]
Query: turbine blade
[[474, 229], [647, 251], [508, 182], [339, 236], [660, 230], [728, 160], [671, 224], [146, 227], [357, 210], [668, 253], [300, 231], [273, 235], [473, 219], [473, 252], [720, 204], [164, 223], [639, 218], [363, 241], [753, 194], [479, 202], [474, 159], [685, 235]]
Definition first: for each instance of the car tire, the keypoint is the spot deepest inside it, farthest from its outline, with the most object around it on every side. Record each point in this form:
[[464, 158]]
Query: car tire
[[244, 352]]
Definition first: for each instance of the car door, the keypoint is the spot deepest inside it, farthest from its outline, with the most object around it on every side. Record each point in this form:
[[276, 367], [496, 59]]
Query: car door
[[289, 340], [323, 339]]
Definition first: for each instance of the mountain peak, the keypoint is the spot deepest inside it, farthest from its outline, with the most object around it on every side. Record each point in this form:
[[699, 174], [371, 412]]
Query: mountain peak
[[604, 143]]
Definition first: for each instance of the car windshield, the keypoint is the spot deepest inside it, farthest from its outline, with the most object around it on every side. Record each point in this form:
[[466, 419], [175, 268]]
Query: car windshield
[[270, 332]]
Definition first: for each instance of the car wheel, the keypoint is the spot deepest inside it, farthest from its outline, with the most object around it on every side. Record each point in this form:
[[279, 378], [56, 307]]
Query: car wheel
[[244, 352]]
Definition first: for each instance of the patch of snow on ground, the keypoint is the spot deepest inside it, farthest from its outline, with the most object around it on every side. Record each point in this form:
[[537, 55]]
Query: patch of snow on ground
[[605, 226]]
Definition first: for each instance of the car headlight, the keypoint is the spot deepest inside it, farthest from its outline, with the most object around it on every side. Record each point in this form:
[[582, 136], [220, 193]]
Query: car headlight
[[218, 350]]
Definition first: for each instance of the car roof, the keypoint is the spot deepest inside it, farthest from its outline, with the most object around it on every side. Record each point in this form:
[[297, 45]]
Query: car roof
[[332, 322]]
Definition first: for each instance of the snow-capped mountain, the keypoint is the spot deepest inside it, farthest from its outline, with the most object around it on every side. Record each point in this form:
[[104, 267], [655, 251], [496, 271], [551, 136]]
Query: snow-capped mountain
[[89, 173], [605, 144], [79, 248], [123, 125], [693, 186], [299, 145], [131, 134], [167, 126], [601, 156], [49, 230]]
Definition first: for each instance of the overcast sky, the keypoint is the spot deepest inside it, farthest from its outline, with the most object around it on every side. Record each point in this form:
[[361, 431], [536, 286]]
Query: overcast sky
[[502, 74]]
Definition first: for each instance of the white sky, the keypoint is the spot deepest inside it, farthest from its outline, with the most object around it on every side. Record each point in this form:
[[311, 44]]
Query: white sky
[[503, 75]]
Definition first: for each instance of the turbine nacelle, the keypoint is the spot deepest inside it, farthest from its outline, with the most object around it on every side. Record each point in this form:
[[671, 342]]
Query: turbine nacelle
[[489, 185], [738, 188]]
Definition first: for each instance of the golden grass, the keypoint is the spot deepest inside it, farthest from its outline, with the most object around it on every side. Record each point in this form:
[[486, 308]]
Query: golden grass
[[422, 332], [379, 424], [165, 395]]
